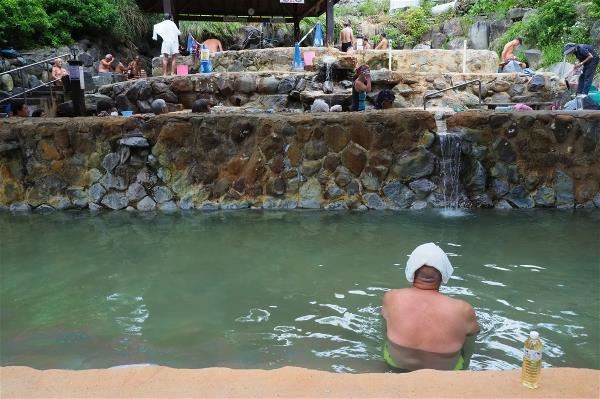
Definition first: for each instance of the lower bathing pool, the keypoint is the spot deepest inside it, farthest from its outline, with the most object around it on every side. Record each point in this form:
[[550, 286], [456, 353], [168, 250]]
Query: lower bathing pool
[[254, 289]]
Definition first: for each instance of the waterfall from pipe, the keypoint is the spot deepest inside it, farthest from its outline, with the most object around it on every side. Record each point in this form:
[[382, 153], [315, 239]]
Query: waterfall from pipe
[[450, 146]]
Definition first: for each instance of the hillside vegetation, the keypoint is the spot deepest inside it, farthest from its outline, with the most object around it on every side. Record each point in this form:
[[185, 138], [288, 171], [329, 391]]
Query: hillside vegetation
[[554, 23], [39, 23]]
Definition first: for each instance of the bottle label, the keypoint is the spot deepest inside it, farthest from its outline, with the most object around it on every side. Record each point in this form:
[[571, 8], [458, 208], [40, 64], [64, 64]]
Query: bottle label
[[534, 356]]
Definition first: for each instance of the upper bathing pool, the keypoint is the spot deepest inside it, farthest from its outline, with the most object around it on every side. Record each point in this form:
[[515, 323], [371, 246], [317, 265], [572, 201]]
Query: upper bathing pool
[[257, 289]]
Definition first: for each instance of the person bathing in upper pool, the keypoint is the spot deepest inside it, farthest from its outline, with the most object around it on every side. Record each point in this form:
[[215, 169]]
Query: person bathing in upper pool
[[424, 328]]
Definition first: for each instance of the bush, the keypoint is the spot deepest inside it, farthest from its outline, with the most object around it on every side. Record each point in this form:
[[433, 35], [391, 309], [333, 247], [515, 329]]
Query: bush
[[555, 24], [23, 22], [38, 23], [408, 27]]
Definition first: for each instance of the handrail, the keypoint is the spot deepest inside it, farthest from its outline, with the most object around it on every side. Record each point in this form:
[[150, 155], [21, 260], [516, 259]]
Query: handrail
[[34, 64], [28, 90], [426, 96]]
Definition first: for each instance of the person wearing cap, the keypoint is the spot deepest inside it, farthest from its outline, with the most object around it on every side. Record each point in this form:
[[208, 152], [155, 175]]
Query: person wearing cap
[[169, 32], [347, 37], [588, 59], [424, 328], [360, 87]]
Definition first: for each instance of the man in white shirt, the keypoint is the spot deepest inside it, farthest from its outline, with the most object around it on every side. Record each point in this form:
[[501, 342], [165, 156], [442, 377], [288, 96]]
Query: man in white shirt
[[170, 45]]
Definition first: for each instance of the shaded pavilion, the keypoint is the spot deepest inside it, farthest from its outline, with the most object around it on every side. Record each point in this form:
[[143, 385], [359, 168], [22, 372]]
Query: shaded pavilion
[[277, 11]]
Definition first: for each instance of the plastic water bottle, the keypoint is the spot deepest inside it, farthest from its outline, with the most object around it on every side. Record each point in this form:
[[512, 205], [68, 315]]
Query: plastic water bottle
[[532, 361]]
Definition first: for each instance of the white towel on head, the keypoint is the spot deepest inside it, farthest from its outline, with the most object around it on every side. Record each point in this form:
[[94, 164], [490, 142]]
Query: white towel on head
[[428, 255]]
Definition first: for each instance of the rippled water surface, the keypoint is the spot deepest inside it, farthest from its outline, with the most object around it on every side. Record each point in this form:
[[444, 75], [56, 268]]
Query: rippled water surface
[[265, 290]]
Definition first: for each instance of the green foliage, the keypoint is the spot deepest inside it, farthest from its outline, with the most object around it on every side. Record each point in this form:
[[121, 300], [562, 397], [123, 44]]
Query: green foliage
[[408, 27], [22, 20], [36, 23], [373, 7], [555, 24], [502, 6]]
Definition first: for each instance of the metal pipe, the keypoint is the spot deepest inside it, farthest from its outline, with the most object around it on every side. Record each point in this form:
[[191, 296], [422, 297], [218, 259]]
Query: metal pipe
[[426, 96], [34, 64], [28, 90], [305, 36]]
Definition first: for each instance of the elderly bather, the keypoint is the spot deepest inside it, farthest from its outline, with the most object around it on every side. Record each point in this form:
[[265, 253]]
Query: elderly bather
[[426, 329]]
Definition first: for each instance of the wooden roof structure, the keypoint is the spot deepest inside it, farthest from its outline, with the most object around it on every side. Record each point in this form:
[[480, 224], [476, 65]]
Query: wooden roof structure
[[238, 10]]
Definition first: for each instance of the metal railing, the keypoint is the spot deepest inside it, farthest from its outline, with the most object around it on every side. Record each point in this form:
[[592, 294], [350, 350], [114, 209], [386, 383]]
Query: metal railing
[[429, 95], [24, 67], [29, 90], [34, 64]]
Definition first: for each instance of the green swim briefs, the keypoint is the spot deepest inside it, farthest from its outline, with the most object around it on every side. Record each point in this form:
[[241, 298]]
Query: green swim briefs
[[460, 364]]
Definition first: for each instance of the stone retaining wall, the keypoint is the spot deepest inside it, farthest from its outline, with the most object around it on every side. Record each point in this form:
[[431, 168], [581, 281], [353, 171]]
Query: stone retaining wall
[[281, 59], [296, 91], [375, 160]]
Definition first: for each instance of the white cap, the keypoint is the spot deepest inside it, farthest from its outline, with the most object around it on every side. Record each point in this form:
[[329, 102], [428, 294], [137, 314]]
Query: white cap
[[534, 335], [428, 255]]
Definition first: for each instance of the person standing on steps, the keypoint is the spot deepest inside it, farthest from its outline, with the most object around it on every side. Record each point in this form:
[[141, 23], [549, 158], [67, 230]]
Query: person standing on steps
[[425, 328], [360, 87], [588, 59], [347, 37], [169, 32]]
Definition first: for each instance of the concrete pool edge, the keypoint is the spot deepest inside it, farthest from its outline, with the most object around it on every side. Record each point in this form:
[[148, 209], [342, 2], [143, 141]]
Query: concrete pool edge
[[158, 381]]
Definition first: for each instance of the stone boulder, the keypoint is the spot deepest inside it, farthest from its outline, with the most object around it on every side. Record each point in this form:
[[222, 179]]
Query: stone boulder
[[479, 34], [453, 27], [414, 165], [534, 57], [537, 83], [565, 195], [310, 194], [115, 200]]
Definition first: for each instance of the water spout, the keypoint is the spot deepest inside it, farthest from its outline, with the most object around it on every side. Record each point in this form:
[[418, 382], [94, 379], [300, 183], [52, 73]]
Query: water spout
[[450, 146]]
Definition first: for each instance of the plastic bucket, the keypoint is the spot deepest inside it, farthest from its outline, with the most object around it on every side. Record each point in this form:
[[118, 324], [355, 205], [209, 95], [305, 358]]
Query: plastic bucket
[[182, 69]]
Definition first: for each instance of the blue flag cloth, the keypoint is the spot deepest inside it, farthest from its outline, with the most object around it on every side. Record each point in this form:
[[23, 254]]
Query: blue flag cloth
[[318, 39], [190, 43], [298, 64]]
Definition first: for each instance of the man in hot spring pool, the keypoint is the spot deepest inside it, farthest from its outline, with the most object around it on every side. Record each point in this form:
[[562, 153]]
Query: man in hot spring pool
[[424, 328]]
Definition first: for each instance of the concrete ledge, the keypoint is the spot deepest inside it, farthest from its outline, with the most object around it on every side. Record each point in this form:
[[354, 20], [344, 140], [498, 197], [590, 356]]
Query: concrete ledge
[[155, 382]]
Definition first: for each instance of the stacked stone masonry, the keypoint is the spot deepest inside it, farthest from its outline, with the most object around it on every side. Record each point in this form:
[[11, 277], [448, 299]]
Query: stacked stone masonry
[[373, 160], [285, 91]]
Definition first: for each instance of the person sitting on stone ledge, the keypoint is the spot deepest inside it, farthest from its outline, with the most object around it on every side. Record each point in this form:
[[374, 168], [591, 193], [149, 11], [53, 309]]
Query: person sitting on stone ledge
[[360, 87], [424, 328], [118, 67], [366, 44], [201, 106], [106, 64], [58, 72], [508, 53], [134, 68]]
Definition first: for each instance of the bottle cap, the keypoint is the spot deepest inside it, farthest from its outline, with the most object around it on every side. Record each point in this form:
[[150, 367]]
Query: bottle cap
[[534, 335]]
